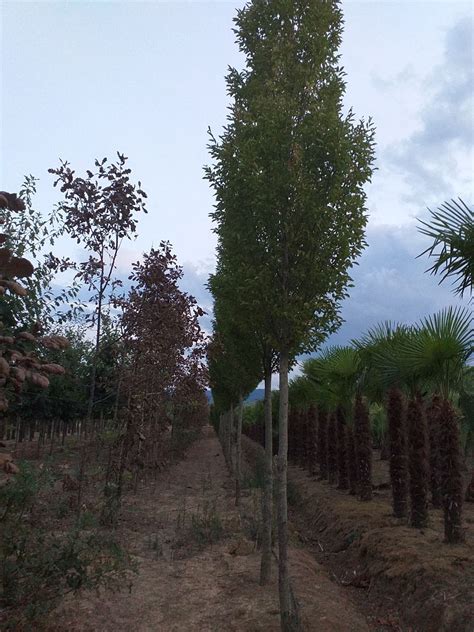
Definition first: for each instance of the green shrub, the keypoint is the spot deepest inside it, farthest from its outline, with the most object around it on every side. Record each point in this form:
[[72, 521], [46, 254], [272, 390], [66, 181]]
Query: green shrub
[[39, 566]]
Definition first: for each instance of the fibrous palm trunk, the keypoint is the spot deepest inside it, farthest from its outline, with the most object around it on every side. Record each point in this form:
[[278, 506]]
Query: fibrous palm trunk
[[363, 448], [398, 452], [332, 449], [352, 462], [432, 418], [418, 463], [323, 443], [343, 480], [312, 440], [452, 476]]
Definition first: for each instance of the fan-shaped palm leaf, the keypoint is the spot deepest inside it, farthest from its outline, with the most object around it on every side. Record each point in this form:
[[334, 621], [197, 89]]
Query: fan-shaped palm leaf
[[452, 229], [385, 365], [374, 347], [336, 371], [438, 348], [302, 392]]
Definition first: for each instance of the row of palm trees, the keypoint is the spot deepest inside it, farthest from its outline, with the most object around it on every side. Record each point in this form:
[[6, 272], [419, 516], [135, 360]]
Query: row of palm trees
[[416, 375]]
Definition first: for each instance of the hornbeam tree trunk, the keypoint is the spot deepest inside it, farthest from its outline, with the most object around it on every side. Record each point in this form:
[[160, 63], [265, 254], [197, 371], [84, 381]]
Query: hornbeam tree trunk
[[233, 440], [238, 451], [267, 508], [452, 476], [288, 614], [469, 496], [398, 452], [52, 437], [418, 463]]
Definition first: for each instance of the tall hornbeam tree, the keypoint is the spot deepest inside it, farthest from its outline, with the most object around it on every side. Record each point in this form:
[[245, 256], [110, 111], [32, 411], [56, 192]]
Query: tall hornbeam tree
[[239, 355], [297, 164], [257, 358]]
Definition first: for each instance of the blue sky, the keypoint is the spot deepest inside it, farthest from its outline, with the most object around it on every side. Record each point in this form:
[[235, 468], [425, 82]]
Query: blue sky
[[83, 79]]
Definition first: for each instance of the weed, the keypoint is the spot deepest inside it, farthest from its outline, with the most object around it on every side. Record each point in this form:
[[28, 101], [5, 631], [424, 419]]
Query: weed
[[252, 520], [255, 479], [155, 545], [206, 526], [293, 494]]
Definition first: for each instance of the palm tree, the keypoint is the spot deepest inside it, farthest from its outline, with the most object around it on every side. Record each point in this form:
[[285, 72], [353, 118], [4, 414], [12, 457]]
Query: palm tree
[[301, 395], [376, 349], [323, 442], [433, 418], [396, 371], [332, 448], [438, 352], [452, 229], [312, 440], [466, 405], [337, 372]]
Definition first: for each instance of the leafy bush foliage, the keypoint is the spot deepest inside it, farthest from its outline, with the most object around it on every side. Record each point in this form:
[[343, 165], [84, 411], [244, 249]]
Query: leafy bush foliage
[[39, 565]]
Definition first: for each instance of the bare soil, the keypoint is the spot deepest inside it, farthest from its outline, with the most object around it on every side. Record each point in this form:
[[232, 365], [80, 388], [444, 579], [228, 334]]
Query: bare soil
[[198, 563], [402, 577]]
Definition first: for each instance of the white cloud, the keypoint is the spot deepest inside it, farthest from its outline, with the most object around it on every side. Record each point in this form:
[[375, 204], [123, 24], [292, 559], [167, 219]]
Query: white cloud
[[436, 160]]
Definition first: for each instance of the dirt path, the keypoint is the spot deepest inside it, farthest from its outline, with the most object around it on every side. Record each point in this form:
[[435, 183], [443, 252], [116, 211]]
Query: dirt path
[[198, 565]]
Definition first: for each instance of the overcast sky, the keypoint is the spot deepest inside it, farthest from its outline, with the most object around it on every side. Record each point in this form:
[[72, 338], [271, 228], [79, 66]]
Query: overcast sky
[[83, 79]]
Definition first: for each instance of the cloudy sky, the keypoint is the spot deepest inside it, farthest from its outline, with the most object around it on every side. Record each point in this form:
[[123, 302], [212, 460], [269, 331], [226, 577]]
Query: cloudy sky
[[83, 79]]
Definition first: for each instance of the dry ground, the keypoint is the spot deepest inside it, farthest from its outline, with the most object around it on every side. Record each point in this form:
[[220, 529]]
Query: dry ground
[[188, 583], [397, 572]]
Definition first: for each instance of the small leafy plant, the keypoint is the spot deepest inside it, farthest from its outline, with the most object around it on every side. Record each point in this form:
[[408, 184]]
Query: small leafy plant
[[38, 566]]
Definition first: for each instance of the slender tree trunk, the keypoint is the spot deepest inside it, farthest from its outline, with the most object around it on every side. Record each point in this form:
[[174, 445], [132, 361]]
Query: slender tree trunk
[[52, 437], [17, 433], [267, 508], [363, 448], [385, 447], [452, 475], [238, 464], [21, 431], [230, 434], [288, 614], [118, 391], [221, 430], [90, 402], [398, 452], [418, 463], [40, 441]]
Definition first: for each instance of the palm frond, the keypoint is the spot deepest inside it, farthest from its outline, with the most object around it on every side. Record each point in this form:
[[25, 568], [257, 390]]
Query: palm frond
[[335, 372], [440, 347], [451, 228]]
